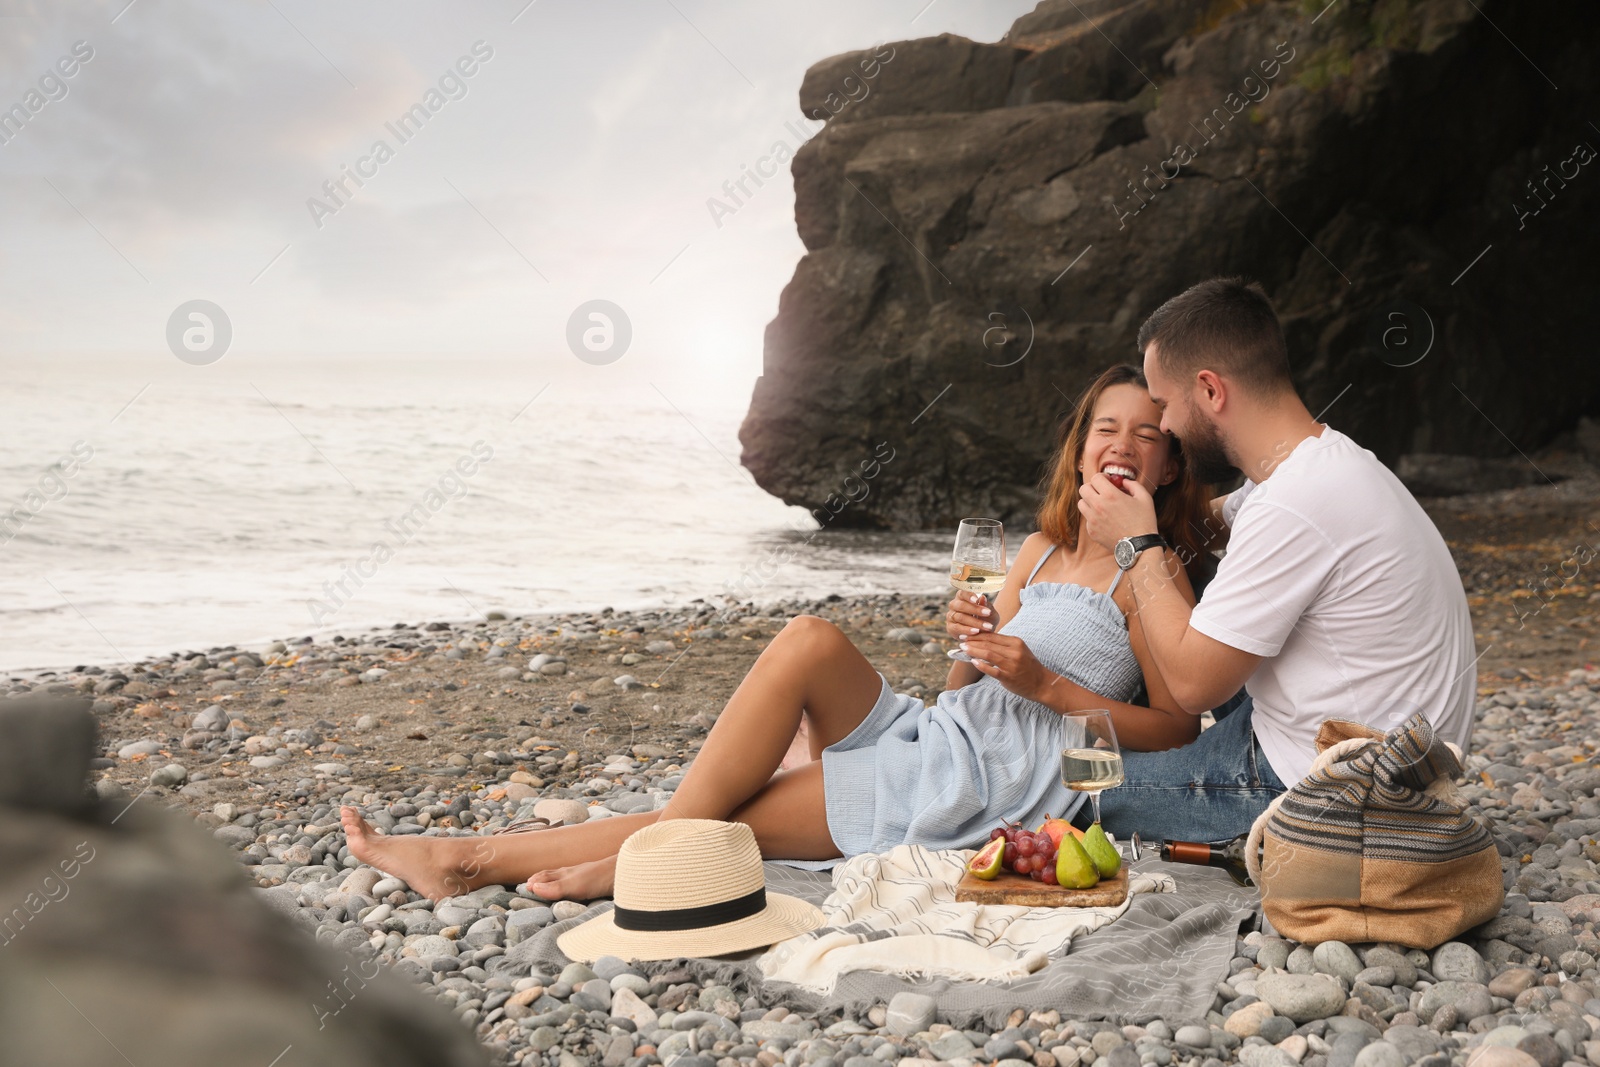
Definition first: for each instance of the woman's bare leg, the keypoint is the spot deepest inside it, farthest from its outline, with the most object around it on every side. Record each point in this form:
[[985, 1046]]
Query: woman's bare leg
[[788, 816], [810, 668]]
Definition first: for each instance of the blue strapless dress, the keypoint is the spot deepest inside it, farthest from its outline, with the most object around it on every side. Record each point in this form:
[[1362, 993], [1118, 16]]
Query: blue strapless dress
[[945, 774]]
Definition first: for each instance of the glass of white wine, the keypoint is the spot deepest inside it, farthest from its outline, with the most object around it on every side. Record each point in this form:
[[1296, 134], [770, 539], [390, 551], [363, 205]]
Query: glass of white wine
[[978, 563], [1093, 759]]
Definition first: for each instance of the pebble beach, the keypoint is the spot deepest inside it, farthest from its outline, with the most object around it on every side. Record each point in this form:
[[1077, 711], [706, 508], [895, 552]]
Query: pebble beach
[[466, 728]]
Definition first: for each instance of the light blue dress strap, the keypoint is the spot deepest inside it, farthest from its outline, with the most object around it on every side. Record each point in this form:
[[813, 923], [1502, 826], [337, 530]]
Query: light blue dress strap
[[1114, 582], [1036, 566]]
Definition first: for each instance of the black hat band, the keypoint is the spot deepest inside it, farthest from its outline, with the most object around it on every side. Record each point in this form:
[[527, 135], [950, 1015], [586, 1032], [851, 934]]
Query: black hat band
[[726, 911]]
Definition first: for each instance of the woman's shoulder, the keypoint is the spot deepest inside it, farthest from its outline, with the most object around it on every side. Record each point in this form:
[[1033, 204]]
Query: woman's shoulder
[[1033, 546]]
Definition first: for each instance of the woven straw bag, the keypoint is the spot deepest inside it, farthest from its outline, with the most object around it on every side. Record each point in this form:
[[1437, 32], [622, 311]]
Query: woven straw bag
[[1372, 844]]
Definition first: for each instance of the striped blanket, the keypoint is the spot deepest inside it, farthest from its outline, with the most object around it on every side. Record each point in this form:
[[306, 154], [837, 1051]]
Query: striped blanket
[[1162, 958], [896, 913]]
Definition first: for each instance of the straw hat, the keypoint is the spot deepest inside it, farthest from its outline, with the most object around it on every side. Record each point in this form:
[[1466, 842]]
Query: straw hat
[[689, 887]]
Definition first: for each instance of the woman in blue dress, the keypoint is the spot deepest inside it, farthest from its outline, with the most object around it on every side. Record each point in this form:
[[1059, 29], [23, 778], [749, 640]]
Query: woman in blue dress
[[1063, 635]]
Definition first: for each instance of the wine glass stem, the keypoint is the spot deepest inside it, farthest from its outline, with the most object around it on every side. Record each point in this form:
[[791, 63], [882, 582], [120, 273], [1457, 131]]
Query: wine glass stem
[[1094, 798]]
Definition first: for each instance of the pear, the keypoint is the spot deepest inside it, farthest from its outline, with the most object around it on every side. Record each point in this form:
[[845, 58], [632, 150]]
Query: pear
[[1074, 868], [1104, 854]]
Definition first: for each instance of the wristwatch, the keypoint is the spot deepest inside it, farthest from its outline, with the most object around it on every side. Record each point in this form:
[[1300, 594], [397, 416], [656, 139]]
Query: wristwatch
[[1128, 549]]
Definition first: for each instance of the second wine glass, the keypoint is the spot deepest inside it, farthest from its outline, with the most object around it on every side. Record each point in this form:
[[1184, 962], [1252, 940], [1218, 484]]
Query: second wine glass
[[1092, 759]]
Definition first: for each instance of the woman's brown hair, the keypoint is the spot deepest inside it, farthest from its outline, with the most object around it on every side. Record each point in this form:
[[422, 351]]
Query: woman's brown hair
[[1183, 506]]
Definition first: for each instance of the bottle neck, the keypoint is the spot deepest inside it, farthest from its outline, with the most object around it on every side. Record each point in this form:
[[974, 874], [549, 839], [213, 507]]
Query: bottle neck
[[1187, 852]]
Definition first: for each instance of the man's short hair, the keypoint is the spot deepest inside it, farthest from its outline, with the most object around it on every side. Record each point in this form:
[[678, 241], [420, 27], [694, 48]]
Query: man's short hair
[[1225, 325]]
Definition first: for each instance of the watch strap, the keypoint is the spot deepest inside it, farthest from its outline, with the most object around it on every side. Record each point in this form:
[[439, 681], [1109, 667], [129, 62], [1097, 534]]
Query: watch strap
[[1144, 541]]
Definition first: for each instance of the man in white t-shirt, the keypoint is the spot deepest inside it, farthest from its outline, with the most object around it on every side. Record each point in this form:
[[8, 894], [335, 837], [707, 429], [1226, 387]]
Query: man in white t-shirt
[[1336, 599]]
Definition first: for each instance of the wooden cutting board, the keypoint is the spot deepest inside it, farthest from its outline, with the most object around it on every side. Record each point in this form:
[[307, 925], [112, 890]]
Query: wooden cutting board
[[1009, 888]]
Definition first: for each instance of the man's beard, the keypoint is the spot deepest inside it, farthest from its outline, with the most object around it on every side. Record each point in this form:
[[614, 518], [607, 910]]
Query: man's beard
[[1208, 459]]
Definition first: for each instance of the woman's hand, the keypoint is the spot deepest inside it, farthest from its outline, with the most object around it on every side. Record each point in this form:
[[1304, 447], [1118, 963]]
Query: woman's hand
[[970, 614], [1009, 661]]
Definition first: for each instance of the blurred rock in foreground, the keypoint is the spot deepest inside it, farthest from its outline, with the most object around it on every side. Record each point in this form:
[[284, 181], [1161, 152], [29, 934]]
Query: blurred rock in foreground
[[127, 936]]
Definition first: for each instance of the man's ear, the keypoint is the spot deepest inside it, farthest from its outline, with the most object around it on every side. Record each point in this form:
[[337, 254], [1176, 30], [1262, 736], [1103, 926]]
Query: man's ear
[[1213, 389], [1171, 474]]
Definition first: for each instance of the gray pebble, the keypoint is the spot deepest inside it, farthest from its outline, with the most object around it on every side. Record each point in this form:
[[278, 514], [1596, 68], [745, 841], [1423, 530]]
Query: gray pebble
[[1468, 999], [633, 983], [1456, 962], [1345, 1048], [1264, 1056], [1379, 1054], [952, 1046], [1001, 1047], [567, 909], [1338, 959], [910, 1013], [1194, 1036], [172, 774], [1382, 956], [608, 967], [1302, 997], [1272, 952], [1301, 961], [1274, 1028], [212, 719], [1376, 976]]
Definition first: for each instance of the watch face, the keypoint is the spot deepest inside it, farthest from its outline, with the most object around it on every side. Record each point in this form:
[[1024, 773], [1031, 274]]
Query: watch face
[[1124, 553]]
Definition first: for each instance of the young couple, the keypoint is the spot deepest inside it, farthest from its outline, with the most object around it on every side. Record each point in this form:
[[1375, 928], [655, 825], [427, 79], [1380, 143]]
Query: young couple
[[1336, 598]]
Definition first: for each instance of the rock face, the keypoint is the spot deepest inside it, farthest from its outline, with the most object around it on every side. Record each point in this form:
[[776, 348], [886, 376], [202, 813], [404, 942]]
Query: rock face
[[986, 228], [129, 932]]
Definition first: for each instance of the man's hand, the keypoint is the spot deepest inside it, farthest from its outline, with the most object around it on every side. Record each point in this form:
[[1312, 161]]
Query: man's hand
[[1110, 514], [1008, 660]]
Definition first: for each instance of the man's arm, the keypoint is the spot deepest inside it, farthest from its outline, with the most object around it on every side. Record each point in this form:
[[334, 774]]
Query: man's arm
[[1200, 672]]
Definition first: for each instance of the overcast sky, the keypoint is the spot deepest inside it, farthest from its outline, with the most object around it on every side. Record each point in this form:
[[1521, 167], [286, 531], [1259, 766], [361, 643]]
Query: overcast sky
[[575, 162]]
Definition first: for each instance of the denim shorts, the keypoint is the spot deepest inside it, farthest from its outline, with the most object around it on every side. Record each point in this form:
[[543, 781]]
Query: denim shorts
[[1211, 789]]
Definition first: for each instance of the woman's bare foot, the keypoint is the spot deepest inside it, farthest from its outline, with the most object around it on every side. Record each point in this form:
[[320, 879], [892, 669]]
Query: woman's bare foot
[[799, 749], [585, 881], [433, 866]]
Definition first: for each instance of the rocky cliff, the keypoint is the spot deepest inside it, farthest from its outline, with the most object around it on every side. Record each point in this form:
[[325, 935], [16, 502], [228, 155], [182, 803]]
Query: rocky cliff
[[986, 225]]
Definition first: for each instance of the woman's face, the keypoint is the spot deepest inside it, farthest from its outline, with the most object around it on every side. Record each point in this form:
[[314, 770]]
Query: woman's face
[[1125, 437]]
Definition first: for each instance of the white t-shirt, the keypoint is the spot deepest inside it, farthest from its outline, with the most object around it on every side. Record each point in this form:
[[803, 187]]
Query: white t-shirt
[[1340, 580]]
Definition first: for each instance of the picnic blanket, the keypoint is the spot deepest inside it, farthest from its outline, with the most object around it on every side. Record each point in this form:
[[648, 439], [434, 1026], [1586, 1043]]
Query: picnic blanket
[[1162, 957], [896, 913]]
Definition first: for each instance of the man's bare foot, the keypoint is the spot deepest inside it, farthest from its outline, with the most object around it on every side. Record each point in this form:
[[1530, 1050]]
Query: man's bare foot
[[433, 866], [799, 752], [585, 881]]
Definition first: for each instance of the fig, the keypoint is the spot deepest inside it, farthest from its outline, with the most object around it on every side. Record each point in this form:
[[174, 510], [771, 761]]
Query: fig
[[986, 864], [1107, 860], [1074, 868]]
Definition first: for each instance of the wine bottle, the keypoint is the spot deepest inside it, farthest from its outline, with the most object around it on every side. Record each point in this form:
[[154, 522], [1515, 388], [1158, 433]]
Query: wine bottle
[[1229, 857]]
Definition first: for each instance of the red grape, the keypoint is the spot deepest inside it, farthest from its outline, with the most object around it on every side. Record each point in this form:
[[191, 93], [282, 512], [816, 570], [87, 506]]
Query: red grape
[[1024, 864], [996, 832], [1025, 845], [1048, 875]]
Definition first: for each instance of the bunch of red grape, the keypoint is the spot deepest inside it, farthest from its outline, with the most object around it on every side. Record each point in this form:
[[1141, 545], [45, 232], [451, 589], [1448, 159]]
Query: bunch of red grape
[[1028, 853]]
